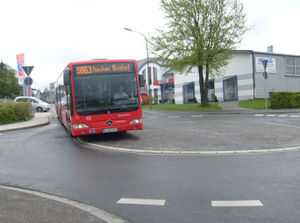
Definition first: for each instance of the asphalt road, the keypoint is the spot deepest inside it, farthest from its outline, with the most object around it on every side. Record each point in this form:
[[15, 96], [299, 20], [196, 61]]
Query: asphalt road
[[190, 131], [183, 188]]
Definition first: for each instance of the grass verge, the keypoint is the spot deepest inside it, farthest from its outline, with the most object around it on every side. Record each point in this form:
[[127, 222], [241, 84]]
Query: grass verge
[[258, 104], [186, 107]]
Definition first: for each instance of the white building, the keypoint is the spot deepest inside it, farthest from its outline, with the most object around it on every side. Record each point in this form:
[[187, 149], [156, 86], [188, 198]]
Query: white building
[[162, 81], [241, 79]]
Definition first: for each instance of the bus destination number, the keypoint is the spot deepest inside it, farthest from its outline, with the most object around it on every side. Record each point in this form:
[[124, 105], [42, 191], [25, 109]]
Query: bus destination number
[[104, 68], [84, 70]]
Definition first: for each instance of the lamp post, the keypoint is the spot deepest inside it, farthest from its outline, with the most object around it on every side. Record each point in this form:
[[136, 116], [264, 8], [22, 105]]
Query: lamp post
[[148, 74]]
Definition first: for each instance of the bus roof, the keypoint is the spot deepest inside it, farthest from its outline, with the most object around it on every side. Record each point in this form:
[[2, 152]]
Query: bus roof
[[101, 61]]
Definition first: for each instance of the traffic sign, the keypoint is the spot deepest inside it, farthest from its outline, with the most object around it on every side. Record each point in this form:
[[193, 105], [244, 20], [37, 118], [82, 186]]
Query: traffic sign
[[28, 81], [27, 69]]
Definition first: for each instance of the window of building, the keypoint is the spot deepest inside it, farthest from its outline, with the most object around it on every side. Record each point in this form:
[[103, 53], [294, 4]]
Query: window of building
[[230, 89], [189, 93], [149, 75], [154, 74], [144, 74], [292, 65], [167, 93]]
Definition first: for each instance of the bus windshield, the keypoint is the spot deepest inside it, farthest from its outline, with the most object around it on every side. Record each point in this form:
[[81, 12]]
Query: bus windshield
[[105, 93]]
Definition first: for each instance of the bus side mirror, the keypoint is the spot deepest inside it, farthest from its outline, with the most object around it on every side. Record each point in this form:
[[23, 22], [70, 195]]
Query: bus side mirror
[[141, 80], [67, 75]]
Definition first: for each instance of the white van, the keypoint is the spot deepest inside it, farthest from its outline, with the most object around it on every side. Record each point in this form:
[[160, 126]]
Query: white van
[[37, 104]]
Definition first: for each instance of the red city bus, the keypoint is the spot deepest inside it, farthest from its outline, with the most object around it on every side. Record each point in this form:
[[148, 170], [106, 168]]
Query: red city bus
[[99, 96]]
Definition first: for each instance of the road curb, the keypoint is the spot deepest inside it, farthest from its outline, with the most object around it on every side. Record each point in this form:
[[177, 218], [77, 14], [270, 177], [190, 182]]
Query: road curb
[[228, 112], [29, 124], [97, 212], [181, 152]]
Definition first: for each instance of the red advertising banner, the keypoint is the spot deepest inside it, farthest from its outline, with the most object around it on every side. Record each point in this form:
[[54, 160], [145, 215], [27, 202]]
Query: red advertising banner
[[20, 63]]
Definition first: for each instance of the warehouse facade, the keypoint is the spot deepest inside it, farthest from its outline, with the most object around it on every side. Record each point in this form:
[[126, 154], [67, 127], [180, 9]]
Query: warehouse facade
[[241, 79]]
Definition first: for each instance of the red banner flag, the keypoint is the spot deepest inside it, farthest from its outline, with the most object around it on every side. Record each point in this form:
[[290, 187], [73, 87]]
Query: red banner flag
[[20, 63]]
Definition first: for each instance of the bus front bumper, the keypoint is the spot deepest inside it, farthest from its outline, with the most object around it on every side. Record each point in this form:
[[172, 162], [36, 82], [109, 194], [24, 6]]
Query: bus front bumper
[[111, 129]]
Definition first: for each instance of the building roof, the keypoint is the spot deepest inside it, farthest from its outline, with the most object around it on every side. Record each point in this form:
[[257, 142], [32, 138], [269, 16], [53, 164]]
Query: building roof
[[258, 52], [141, 63]]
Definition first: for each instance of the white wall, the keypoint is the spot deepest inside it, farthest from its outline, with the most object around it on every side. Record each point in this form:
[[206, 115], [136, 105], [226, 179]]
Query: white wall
[[239, 65], [182, 79], [160, 72]]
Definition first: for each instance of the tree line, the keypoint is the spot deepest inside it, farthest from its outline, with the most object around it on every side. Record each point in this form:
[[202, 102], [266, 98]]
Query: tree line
[[9, 87]]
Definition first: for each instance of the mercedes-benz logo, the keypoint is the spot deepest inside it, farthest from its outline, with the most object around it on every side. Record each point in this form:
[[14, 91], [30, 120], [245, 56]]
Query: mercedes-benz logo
[[109, 122]]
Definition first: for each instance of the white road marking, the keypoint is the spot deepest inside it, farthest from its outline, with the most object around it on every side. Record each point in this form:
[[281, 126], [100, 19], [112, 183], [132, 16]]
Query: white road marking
[[238, 203], [282, 116], [137, 201], [259, 115], [196, 116], [1, 134], [175, 116], [270, 115], [295, 116]]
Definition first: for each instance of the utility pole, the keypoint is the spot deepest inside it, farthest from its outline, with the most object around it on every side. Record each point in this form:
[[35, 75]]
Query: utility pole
[[148, 71]]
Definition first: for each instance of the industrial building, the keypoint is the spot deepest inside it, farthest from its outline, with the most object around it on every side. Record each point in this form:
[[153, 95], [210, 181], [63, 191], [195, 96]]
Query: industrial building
[[241, 79]]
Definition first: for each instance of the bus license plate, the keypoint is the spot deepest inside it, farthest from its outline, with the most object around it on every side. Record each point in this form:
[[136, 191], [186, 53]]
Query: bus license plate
[[110, 130]]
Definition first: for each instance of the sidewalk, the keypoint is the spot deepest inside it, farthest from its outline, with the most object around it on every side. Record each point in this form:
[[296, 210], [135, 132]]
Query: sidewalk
[[232, 107], [19, 206], [39, 119], [228, 108]]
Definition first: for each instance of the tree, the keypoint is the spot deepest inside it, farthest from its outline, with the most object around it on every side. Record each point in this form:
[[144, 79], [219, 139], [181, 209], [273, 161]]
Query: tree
[[9, 87], [199, 34]]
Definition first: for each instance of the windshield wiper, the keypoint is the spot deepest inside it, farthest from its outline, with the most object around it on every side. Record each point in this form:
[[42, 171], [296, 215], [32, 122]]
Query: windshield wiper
[[94, 112], [123, 108]]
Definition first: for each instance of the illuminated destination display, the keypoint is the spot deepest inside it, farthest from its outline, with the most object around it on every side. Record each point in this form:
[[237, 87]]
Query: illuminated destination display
[[99, 68]]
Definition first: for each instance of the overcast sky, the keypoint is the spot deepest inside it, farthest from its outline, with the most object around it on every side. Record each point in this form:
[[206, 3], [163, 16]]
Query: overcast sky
[[53, 33]]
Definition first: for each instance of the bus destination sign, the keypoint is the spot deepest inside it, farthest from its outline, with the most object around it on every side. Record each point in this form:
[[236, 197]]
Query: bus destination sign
[[100, 68]]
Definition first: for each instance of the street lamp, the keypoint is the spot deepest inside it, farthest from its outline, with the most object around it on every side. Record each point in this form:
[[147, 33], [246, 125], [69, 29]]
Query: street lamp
[[148, 74]]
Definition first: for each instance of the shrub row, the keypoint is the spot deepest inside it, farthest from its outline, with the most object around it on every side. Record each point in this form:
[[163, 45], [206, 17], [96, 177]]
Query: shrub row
[[285, 100], [13, 112]]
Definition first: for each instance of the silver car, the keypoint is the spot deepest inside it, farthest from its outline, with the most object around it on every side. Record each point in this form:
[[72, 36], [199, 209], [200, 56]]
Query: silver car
[[37, 104]]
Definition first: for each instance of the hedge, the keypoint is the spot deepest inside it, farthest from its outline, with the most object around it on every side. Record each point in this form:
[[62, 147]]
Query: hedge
[[14, 112], [285, 99]]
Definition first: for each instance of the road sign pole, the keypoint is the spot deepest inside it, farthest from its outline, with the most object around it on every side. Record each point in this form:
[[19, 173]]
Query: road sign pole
[[28, 70], [266, 100], [265, 75], [28, 105]]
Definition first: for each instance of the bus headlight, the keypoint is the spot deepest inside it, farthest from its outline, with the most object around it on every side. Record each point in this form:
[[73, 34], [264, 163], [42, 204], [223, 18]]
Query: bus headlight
[[80, 126], [136, 121]]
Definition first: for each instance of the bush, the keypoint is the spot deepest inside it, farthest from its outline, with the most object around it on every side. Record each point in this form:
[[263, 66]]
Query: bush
[[285, 100], [13, 112], [154, 101], [145, 101]]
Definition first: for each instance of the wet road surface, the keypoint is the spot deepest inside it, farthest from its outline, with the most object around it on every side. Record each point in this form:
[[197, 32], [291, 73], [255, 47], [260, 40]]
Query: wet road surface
[[46, 159]]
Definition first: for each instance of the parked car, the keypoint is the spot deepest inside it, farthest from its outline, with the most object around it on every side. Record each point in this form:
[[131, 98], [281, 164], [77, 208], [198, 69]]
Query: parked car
[[4, 100], [37, 104]]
